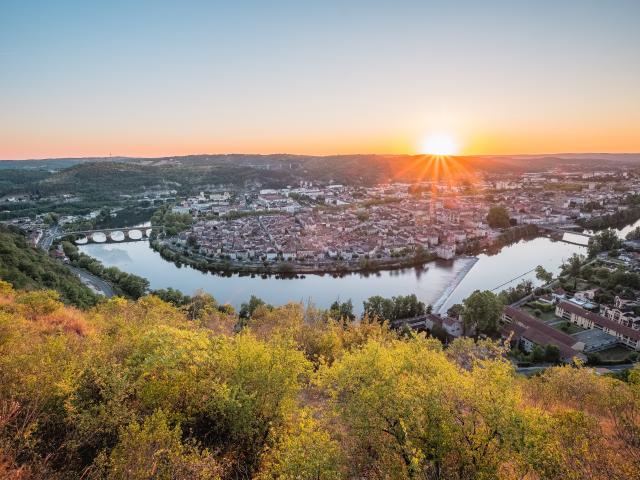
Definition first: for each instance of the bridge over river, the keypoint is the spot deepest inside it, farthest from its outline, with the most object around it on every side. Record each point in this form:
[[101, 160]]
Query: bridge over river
[[111, 234], [567, 228]]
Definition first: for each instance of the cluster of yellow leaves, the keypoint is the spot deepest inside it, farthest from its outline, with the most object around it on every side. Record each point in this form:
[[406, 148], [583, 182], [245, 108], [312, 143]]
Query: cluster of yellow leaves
[[145, 390]]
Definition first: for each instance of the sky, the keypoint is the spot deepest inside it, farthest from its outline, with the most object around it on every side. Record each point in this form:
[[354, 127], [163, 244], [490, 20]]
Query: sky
[[156, 78]]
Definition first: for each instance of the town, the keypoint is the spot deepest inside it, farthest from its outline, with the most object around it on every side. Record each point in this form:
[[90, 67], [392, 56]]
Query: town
[[315, 228]]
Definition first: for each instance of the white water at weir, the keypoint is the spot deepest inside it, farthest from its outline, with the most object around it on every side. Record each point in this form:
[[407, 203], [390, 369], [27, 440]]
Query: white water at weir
[[438, 306]]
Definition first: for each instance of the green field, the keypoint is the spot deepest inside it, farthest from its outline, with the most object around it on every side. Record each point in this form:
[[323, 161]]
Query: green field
[[545, 316], [571, 327], [614, 354]]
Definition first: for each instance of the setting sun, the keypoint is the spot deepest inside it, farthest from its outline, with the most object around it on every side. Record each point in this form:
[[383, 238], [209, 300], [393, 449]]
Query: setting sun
[[440, 144]]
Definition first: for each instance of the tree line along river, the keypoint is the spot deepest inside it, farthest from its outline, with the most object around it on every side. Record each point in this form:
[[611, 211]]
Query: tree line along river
[[439, 282]]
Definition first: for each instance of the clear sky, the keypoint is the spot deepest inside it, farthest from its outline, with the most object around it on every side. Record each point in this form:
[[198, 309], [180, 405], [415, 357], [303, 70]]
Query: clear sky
[[93, 78]]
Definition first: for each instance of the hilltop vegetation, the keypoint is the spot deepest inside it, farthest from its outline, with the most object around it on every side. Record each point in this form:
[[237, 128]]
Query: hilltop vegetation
[[142, 390], [32, 269], [106, 179]]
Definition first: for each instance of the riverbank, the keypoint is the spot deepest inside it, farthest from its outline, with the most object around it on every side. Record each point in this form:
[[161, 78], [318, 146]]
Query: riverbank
[[168, 250], [288, 269], [438, 306], [428, 283]]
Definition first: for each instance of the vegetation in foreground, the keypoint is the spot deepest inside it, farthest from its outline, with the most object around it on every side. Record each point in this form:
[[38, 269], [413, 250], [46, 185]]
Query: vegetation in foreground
[[144, 389]]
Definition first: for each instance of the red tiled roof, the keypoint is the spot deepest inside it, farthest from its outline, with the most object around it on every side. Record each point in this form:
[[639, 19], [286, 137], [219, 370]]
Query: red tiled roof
[[524, 325], [529, 321], [600, 320]]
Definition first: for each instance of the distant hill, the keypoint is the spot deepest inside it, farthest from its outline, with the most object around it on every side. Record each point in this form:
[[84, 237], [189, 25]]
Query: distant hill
[[104, 178]]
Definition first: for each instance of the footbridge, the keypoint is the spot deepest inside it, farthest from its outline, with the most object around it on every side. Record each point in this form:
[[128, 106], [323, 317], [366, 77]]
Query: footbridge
[[111, 235], [565, 228]]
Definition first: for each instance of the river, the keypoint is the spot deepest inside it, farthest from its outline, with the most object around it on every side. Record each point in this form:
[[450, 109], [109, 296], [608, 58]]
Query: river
[[441, 282]]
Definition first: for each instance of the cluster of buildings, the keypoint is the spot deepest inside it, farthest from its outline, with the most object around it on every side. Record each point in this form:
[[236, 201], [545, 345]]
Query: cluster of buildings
[[313, 223], [605, 328], [337, 223], [595, 326]]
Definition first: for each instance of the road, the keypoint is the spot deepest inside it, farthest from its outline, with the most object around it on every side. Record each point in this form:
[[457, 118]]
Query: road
[[538, 368], [47, 237], [94, 283]]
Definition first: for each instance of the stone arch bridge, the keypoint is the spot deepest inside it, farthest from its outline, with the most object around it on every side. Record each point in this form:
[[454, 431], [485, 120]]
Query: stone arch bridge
[[90, 235]]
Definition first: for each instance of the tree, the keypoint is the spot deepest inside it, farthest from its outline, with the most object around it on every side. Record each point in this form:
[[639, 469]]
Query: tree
[[634, 234], [39, 303], [342, 310], [572, 267], [552, 353], [201, 305], [154, 450], [482, 312], [604, 241], [192, 241], [455, 310], [414, 414], [498, 217], [304, 450], [543, 275], [51, 218], [247, 309], [378, 307], [421, 255], [394, 308]]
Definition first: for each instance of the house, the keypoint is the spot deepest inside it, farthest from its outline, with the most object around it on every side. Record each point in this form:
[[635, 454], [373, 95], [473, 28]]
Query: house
[[452, 326], [586, 295], [589, 320], [623, 312], [446, 251], [527, 331]]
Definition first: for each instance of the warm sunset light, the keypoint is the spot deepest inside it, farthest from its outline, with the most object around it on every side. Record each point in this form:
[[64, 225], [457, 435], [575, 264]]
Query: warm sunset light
[[440, 143]]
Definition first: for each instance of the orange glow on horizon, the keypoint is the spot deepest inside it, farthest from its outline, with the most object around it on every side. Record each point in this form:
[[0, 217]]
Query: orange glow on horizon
[[476, 142], [437, 168]]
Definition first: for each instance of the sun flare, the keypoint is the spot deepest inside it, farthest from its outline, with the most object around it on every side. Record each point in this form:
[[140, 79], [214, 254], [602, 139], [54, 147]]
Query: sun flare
[[442, 144]]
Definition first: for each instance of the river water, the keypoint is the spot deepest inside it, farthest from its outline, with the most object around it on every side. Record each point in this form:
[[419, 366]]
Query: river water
[[441, 282]]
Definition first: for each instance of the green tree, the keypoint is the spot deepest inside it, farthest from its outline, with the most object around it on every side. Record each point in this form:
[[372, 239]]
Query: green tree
[[604, 241], [455, 310], [394, 308], [378, 307], [634, 234], [482, 312], [543, 275], [572, 267], [342, 310], [498, 217], [247, 309]]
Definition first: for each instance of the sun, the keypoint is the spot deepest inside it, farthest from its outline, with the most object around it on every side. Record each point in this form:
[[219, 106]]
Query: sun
[[441, 144]]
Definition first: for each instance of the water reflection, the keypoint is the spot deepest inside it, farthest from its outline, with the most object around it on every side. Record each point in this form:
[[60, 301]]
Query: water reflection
[[492, 269]]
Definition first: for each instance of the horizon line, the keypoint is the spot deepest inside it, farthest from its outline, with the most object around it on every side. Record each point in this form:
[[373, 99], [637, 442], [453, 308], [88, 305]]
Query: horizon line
[[89, 157]]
